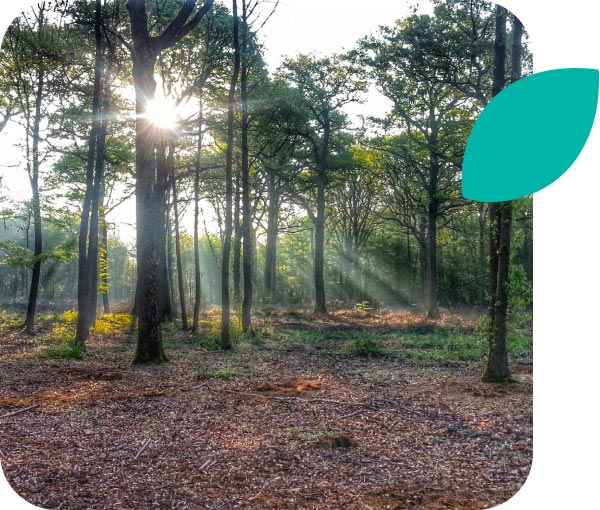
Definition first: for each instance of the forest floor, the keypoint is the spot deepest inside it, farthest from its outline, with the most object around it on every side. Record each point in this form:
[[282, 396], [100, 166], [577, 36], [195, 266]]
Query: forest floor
[[358, 411]]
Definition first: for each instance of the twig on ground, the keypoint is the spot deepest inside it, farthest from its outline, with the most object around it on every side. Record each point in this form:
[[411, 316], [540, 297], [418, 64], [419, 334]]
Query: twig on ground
[[142, 449], [19, 411]]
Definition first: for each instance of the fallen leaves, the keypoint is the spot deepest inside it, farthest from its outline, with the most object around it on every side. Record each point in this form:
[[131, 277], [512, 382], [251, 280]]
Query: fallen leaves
[[109, 435]]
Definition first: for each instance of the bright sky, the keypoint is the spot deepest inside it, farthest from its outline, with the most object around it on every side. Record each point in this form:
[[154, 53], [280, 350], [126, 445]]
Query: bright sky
[[298, 26]]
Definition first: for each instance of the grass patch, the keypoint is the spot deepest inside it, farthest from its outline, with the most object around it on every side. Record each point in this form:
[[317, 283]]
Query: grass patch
[[210, 329], [70, 350]]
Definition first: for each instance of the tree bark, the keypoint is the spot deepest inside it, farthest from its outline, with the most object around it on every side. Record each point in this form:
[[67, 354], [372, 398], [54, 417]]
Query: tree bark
[[319, 261], [163, 229], [225, 297], [35, 204], [197, 275], [104, 261], [431, 283], [149, 340], [245, 170], [182, 300], [144, 54], [237, 244], [271, 246], [84, 283], [497, 369]]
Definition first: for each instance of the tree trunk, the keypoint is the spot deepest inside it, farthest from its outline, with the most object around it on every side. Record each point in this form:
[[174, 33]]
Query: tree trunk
[[431, 283], [36, 206], [163, 230], [246, 206], [319, 264], [182, 302], [97, 200], [497, 369], [271, 246], [84, 283], [225, 298], [197, 275], [497, 363], [149, 347], [237, 245], [104, 261]]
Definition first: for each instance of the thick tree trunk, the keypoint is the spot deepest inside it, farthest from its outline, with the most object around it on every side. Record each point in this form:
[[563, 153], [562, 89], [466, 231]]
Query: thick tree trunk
[[149, 339], [225, 297], [271, 246], [497, 363], [197, 275], [482, 269]]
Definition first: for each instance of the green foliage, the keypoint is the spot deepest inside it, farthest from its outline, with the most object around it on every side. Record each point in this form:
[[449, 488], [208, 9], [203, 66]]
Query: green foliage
[[363, 307], [9, 321], [210, 330], [520, 290], [366, 346], [70, 350]]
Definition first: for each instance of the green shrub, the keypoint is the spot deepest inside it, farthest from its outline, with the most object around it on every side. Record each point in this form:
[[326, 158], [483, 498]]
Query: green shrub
[[366, 346]]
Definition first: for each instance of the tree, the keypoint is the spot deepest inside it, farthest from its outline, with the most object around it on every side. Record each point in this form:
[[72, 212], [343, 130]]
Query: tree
[[34, 57], [497, 369], [144, 53], [354, 218], [226, 258], [88, 230], [432, 121], [323, 86]]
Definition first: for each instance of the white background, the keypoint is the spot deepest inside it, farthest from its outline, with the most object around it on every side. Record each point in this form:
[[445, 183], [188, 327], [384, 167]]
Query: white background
[[567, 273]]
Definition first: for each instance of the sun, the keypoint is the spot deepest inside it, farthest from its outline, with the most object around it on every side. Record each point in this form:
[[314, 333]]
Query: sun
[[163, 113]]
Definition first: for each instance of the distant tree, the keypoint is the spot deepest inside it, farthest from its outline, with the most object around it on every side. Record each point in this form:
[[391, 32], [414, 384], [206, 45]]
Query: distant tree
[[322, 87], [434, 121], [32, 64]]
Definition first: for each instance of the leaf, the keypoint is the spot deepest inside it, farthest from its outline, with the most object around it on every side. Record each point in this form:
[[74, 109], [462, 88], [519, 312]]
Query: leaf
[[530, 134]]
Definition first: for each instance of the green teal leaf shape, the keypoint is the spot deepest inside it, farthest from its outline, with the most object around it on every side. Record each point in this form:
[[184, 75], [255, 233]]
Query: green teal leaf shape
[[530, 134]]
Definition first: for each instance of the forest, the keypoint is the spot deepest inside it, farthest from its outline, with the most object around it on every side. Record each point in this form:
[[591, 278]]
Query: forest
[[228, 281]]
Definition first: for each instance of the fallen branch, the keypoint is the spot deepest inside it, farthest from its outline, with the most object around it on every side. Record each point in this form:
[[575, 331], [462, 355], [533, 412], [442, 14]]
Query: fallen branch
[[298, 399], [142, 449], [19, 411]]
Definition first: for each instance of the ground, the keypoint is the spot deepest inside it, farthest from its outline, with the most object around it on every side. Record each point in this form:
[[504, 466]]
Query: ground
[[360, 411]]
